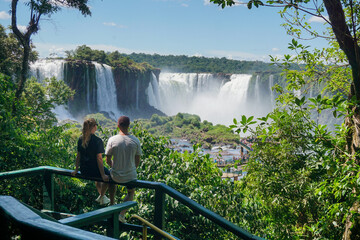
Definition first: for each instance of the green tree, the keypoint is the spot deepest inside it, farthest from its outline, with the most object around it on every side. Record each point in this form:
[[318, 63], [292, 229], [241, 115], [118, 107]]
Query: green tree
[[343, 20], [11, 54], [38, 9]]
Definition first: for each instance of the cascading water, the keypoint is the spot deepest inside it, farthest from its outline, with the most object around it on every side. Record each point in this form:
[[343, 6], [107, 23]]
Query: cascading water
[[43, 69], [271, 84], [106, 99], [153, 91], [205, 95], [257, 89], [47, 69], [106, 90]]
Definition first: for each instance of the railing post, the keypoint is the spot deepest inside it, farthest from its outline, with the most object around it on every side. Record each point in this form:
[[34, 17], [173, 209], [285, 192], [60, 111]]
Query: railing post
[[48, 191], [113, 226], [159, 210]]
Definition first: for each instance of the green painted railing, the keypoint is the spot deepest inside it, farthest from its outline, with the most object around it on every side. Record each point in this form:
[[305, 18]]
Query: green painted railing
[[161, 190]]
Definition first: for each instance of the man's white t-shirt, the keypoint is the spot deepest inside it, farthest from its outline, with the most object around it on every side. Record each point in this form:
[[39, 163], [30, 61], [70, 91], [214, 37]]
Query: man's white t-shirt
[[123, 148]]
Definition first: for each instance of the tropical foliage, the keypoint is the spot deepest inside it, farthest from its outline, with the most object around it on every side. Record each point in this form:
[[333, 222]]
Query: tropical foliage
[[190, 127], [184, 63], [114, 59]]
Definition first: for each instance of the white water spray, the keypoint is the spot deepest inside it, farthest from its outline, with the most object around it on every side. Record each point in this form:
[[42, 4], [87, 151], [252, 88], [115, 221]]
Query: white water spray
[[45, 68], [203, 95], [271, 84], [153, 91], [106, 90]]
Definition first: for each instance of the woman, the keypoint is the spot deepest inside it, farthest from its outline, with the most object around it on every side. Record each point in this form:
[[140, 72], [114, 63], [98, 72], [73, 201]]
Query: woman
[[89, 156]]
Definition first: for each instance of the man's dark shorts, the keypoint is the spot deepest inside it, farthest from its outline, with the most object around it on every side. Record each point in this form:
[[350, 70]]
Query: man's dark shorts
[[128, 187]]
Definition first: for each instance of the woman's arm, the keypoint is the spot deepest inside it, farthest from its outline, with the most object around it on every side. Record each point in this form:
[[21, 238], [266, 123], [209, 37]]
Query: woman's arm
[[77, 163]]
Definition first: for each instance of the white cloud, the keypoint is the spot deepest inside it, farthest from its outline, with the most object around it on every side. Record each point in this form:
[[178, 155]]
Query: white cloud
[[275, 49], [22, 28], [206, 2], [4, 15], [48, 49], [318, 19], [184, 5], [197, 55], [112, 24]]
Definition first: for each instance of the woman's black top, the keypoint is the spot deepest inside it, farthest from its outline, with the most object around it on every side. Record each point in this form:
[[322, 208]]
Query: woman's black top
[[88, 161]]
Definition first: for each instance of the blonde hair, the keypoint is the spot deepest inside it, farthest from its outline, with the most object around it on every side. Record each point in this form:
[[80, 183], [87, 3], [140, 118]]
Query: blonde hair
[[89, 124]]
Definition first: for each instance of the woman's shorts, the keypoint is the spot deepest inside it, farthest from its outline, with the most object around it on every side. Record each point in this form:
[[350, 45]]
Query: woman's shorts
[[94, 172]]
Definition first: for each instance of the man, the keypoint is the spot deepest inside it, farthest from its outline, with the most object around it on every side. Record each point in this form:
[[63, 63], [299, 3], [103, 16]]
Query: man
[[123, 153]]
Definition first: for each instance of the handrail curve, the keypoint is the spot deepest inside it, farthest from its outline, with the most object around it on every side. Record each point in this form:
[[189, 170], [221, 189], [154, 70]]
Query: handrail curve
[[196, 207]]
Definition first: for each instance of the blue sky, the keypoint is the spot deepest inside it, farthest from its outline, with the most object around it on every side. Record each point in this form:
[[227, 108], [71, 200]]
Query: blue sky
[[177, 27]]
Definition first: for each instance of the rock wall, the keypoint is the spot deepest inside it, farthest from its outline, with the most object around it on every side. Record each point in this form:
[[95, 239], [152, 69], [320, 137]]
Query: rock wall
[[131, 86]]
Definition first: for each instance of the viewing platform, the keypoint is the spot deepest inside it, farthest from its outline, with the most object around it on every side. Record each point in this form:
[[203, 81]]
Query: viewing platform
[[31, 223]]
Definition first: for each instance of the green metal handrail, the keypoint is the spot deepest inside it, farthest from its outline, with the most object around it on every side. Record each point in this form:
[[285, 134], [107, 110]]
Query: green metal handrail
[[161, 190]]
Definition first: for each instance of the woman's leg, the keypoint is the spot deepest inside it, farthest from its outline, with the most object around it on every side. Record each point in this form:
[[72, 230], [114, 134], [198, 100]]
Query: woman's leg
[[98, 187], [104, 187]]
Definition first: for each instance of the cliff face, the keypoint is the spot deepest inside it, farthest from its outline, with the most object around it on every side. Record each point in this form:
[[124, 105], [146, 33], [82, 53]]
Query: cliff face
[[131, 86], [81, 77]]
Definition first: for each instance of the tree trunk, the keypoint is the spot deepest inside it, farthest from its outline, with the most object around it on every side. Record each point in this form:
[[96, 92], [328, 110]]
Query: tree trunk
[[24, 40], [349, 45], [24, 72]]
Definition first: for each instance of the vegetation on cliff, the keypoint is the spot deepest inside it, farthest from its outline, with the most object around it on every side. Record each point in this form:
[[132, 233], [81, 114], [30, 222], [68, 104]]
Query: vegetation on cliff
[[114, 59], [184, 63], [190, 127]]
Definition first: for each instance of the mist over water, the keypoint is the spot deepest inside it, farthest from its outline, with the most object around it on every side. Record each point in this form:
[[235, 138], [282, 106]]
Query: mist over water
[[105, 87], [213, 99], [43, 69]]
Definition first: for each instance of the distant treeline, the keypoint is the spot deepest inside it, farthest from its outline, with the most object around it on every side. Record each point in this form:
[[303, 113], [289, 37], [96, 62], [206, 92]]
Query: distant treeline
[[172, 63], [184, 63]]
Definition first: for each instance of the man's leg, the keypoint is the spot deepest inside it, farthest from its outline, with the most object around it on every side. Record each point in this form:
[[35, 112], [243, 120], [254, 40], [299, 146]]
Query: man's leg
[[112, 191], [128, 197]]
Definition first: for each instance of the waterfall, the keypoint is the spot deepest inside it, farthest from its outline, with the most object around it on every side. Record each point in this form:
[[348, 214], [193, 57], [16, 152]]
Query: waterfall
[[204, 95], [137, 93], [271, 84], [153, 91], [257, 89], [106, 90], [45, 68]]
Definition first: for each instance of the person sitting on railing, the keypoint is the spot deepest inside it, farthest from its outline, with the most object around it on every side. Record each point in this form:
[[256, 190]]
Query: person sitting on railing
[[89, 156], [123, 153]]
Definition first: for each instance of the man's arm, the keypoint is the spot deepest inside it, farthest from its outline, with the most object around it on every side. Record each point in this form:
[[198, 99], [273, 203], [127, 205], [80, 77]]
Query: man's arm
[[137, 160], [109, 160], [101, 167]]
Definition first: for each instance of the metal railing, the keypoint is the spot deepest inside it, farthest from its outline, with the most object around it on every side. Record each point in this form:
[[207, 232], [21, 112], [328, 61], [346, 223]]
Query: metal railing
[[161, 190], [152, 226]]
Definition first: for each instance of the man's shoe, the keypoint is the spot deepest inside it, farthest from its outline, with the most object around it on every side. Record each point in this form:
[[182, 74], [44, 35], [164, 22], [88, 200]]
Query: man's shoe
[[98, 199], [122, 218], [104, 200]]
